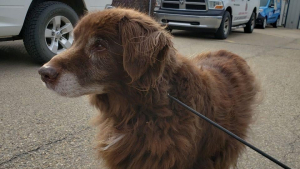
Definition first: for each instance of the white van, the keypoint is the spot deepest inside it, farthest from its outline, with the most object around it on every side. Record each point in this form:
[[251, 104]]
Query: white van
[[217, 16], [45, 26]]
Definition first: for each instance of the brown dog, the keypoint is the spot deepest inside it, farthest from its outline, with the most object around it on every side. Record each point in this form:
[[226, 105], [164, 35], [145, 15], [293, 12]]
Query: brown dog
[[127, 64]]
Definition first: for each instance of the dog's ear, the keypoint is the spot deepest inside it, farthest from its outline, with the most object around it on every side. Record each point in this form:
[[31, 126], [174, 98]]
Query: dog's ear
[[145, 50]]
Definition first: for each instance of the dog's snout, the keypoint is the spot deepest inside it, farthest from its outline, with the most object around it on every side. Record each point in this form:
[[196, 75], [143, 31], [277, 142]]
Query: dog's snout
[[48, 73]]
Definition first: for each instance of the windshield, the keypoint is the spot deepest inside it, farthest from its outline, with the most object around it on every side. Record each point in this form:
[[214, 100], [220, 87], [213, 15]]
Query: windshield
[[263, 2]]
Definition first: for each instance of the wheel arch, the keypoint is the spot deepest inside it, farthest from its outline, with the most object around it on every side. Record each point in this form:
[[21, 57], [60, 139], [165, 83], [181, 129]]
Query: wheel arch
[[229, 9], [255, 11]]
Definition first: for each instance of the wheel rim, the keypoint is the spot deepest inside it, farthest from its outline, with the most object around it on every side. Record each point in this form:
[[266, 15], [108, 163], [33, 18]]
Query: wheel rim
[[265, 23], [59, 34], [252, 22], [226, 26]]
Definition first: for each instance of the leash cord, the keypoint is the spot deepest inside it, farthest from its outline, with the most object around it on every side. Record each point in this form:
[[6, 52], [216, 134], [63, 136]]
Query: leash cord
[[229, 133]]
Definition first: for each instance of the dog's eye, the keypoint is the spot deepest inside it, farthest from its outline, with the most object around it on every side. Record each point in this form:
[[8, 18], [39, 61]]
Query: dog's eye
[[101, 47]]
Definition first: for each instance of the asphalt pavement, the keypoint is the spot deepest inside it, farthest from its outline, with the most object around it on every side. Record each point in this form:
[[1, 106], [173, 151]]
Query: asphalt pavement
[[39, 129]]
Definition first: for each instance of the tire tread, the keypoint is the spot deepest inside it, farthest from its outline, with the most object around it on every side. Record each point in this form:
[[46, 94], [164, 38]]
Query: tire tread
[[248, 29], [220, 33]]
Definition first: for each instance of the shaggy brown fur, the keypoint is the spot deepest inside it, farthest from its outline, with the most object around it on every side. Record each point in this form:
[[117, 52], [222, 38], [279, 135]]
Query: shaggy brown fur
[[133, 59]]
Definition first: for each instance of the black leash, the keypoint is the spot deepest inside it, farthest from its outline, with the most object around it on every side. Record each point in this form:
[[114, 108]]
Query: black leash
[[230, 133]]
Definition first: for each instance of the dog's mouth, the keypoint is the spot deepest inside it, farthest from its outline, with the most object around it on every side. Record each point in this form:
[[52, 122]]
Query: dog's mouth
[[52, 87], [67, 85], [48, 85]]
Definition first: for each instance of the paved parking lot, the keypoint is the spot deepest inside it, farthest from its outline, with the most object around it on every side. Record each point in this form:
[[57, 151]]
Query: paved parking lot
[[39, 129]]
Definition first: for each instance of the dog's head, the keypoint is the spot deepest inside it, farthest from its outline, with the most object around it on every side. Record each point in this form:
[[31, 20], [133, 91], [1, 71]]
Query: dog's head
[[115, 47]]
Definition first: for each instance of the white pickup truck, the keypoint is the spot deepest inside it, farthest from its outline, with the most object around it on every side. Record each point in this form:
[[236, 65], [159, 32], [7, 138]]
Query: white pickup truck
[[45, 26], [217, 16]]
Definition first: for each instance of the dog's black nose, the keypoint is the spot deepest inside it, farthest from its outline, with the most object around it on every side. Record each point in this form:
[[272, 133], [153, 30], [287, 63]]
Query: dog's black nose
[[48, 73]]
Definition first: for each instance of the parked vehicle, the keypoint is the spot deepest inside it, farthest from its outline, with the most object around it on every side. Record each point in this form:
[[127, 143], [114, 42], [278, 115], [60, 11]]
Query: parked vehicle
[[269, 13], [217, 16], [45, 26]]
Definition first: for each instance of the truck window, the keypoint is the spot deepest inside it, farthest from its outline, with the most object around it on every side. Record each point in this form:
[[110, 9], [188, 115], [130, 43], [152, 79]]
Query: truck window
[[263, 2], [271, 3]]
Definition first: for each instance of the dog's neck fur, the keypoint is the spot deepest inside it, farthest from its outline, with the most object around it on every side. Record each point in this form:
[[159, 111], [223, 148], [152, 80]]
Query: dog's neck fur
[[125, 106]]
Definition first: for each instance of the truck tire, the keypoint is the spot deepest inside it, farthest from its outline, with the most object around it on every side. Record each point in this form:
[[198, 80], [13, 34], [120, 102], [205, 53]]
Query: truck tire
[[48, 30], [264, 24], [225, 27], [250, 24]]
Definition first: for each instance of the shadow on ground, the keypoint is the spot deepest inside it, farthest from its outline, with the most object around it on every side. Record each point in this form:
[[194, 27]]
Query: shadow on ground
[[14, 52]]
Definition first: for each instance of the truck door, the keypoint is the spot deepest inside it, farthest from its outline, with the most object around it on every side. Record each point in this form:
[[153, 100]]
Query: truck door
[[270, 12], [277, 9], [250, 5], [239, 12]]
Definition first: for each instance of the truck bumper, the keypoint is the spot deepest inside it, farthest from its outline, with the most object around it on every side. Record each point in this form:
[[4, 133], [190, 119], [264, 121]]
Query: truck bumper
[[202, 21]]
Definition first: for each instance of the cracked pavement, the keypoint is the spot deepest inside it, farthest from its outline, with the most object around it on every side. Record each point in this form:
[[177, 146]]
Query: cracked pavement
[[39, 129]]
